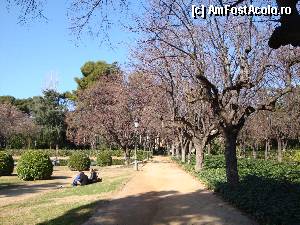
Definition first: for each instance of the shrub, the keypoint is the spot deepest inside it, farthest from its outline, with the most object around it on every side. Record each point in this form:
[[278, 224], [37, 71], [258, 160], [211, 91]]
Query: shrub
[[104, 158], [140, 155], [6, 164], [34, 165], [118, 162], [117, 152], [79, 161], [296, 156], [63, 162], [65, 153], [214, 162]]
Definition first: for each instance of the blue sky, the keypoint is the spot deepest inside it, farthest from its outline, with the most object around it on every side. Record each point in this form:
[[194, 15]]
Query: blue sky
[[28, 54]]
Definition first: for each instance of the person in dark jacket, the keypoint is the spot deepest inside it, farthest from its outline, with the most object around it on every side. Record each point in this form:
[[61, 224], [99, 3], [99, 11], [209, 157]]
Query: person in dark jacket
[[84, 180], [77, 180]]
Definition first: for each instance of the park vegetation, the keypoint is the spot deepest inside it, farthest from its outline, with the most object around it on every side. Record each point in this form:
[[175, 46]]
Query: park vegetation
[[193, 81], [79, 161], [268, 190], [34, 165], [197, 88], [6, 164]]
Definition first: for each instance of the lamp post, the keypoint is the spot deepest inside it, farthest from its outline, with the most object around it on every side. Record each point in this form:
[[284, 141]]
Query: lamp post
[[136, 125]]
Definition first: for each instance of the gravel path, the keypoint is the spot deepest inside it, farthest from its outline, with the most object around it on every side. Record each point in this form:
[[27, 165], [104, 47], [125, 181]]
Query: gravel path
[[162, 193]]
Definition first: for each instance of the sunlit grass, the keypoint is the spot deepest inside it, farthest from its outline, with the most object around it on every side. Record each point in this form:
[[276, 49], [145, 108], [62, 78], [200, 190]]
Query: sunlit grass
[[66, 205]]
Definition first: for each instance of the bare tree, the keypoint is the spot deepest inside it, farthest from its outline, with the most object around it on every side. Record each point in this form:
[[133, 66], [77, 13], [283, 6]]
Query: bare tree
[[103, 110], [231, 66], [15, 122], [85, 14], [109, 108]]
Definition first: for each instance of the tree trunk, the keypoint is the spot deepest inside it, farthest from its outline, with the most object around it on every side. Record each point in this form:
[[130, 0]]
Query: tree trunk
[[177, 150], [28, 143], [92, 145], [199, 154], [56, 151], [242, 150], [184, 151], [127, 156], [267, 149], [284, 145], [208, 148], [254, 153], [173, 150], [190, 152], [279, 150], [230, 157]]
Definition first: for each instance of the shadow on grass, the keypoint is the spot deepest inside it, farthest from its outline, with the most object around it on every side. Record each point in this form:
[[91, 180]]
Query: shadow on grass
[[59, 177], [15, 189], [270, 201], [18, 188], [75, 216], [156, 207]]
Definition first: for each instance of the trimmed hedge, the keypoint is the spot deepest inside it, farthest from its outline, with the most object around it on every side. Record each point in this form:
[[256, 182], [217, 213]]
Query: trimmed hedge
[[104, 158], [6, 164], [67, 152], [79, 161], [118, 162], [63, 162], [34, 165], [268, 190]]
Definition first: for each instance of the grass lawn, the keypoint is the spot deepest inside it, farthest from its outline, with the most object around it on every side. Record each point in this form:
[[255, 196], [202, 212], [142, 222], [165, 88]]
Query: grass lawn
[[66, 205]]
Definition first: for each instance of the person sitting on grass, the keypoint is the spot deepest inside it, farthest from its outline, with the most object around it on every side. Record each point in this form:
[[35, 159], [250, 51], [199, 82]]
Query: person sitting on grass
[[84, 180], [81, 179], [94, 176], [77, 180]]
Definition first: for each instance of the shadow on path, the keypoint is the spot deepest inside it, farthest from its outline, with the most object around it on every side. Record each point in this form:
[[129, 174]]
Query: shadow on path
[[156, 207]]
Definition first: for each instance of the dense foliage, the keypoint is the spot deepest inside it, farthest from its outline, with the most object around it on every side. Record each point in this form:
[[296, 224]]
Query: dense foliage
[[118, 161], [268, 190], [6, 164], [104, 158], [79, 161], [68, 152], [34, 165]]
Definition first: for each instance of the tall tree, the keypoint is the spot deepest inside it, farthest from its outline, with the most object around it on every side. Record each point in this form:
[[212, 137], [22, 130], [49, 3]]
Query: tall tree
[[49, 112], [91, 73]]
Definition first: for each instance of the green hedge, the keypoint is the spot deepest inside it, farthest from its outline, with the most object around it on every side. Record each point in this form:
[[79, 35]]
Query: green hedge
[[79, 161], [63, 162], [34, 165], [6, 164], [68, 152], [118, 162], [141, 155], [117, 153], [268, 190], [104, 158]]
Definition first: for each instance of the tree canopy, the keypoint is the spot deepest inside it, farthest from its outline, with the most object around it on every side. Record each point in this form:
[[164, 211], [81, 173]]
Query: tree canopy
[[91, 73]]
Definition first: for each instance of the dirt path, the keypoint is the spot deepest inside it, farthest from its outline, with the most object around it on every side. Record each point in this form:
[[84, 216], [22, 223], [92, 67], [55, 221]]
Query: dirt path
[[162, 193]]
